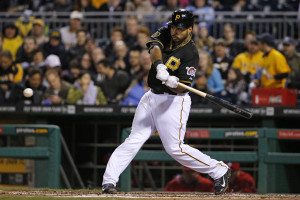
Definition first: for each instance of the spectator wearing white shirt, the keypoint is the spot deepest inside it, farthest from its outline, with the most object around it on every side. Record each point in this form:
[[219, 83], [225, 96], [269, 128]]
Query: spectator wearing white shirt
[[68, 33]]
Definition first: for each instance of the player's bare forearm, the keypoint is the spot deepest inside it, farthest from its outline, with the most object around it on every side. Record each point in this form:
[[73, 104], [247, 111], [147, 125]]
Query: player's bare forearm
[[155, 54]]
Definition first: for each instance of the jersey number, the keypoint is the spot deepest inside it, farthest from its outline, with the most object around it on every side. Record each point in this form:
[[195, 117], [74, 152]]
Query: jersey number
[[173, 63]]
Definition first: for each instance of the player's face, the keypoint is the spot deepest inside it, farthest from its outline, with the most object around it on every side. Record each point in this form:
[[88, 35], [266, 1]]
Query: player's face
[[180, 34]]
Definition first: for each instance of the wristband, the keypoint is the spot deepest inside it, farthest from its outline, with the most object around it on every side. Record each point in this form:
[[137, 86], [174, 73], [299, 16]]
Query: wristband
[[157, 63]]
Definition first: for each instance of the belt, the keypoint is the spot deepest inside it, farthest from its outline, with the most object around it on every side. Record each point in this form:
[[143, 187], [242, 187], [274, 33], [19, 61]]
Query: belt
[[167, 93]]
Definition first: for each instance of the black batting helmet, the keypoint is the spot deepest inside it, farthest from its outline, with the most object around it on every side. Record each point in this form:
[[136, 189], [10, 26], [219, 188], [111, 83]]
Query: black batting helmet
[[182, 18]]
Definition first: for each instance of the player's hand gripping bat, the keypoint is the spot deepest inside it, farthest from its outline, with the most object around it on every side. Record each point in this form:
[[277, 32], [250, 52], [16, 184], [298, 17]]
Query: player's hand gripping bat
[[220, 102]]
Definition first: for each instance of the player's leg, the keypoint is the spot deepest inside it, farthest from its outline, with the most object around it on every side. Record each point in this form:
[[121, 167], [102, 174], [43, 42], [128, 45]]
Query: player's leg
[[142, 127], [171, 125]]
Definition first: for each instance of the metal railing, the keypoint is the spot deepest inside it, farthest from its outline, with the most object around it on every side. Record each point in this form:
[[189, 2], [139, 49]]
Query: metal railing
[[99, 24]]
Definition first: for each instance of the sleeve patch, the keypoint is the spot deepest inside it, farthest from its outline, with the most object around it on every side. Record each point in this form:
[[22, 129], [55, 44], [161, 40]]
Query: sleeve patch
[[191, 71]]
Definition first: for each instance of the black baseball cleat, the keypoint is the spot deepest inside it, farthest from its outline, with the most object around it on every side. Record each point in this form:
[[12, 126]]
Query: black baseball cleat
[[109, 189], [221, 184]]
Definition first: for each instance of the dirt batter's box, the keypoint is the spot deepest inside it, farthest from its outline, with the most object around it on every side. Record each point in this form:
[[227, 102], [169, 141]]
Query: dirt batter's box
[[45, 150]]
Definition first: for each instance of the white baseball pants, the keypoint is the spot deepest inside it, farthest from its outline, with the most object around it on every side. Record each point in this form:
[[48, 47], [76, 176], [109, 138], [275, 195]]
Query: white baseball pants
[[167, 114]]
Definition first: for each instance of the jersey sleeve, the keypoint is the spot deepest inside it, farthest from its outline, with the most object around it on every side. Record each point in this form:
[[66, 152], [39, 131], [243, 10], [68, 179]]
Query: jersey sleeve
[[188, 68], [161, 38]]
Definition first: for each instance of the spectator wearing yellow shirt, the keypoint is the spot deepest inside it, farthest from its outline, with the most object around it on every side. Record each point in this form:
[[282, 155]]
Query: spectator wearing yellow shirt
[[275, 69], [249, 61], [10, 74], [11, 39], [24, 23]]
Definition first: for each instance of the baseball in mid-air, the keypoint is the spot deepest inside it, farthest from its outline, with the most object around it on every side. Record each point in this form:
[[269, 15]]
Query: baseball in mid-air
[[28, 92]]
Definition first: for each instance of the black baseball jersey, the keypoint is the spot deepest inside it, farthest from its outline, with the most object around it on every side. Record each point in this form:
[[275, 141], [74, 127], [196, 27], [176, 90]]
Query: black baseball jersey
[[181, 61]]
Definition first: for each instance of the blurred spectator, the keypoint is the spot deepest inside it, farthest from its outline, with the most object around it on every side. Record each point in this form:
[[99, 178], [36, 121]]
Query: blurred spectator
[[9, 71], [283, 6], [116, 34], [73, 72], [97, 55], [112, 6], [241, 181], [253, 5], [78, 49], [24, 23], [11, 39], [119, 58], [55, 46], [86, 64], [143, 37], [217, 5], [68, 33], [234, 47], [214, 79], [10, 75], [114, 83], [38, 32], [33, 81], [131, 31], [249, 62], [138, 86], [86, 5], [135, 91], [1, 43], [170, 5], [221, 60], [40, 5], [85, 92], [52, 61], [145, 60], [293, 59], [134, 68], [200, 83], [38, 61], [25, 52], [235, 88], [99, 76], [58, 89], [248, 37], [239, 6], [204, 11], [90, 46], [189, 181], [203, 40], [275, 69], [139, 6], [60, 6]]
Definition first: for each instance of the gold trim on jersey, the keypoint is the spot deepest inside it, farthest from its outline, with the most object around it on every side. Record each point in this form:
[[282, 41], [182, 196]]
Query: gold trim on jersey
[[173, 63], [189, 38], [180, 138], [156, 41]]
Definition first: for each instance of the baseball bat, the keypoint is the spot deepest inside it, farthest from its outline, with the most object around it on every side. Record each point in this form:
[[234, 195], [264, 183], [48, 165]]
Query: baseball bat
[[220, 102]]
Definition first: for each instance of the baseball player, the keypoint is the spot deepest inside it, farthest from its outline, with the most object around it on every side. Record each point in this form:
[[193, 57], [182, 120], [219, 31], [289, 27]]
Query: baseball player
[[165, 108]]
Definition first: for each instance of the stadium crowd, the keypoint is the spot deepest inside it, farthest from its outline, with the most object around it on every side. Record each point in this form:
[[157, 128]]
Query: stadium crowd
[[68, 66]]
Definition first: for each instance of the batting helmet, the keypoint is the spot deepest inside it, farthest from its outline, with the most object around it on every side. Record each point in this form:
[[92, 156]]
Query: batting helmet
[[182, 18]]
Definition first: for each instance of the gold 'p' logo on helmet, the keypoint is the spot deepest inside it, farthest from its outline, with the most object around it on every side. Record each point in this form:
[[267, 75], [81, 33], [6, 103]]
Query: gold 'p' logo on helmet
[[177, 17]]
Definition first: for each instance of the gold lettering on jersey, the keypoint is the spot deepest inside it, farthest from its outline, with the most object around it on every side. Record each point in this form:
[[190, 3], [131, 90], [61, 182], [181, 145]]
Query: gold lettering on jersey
[[177, 17], [156, 34], [173, 63]]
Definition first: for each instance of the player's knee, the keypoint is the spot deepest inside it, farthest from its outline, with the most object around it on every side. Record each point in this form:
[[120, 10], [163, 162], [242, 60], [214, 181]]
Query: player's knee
[[173, 150]]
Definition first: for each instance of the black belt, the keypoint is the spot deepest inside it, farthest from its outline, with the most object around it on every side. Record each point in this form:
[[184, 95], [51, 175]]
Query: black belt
[[161, 92]]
